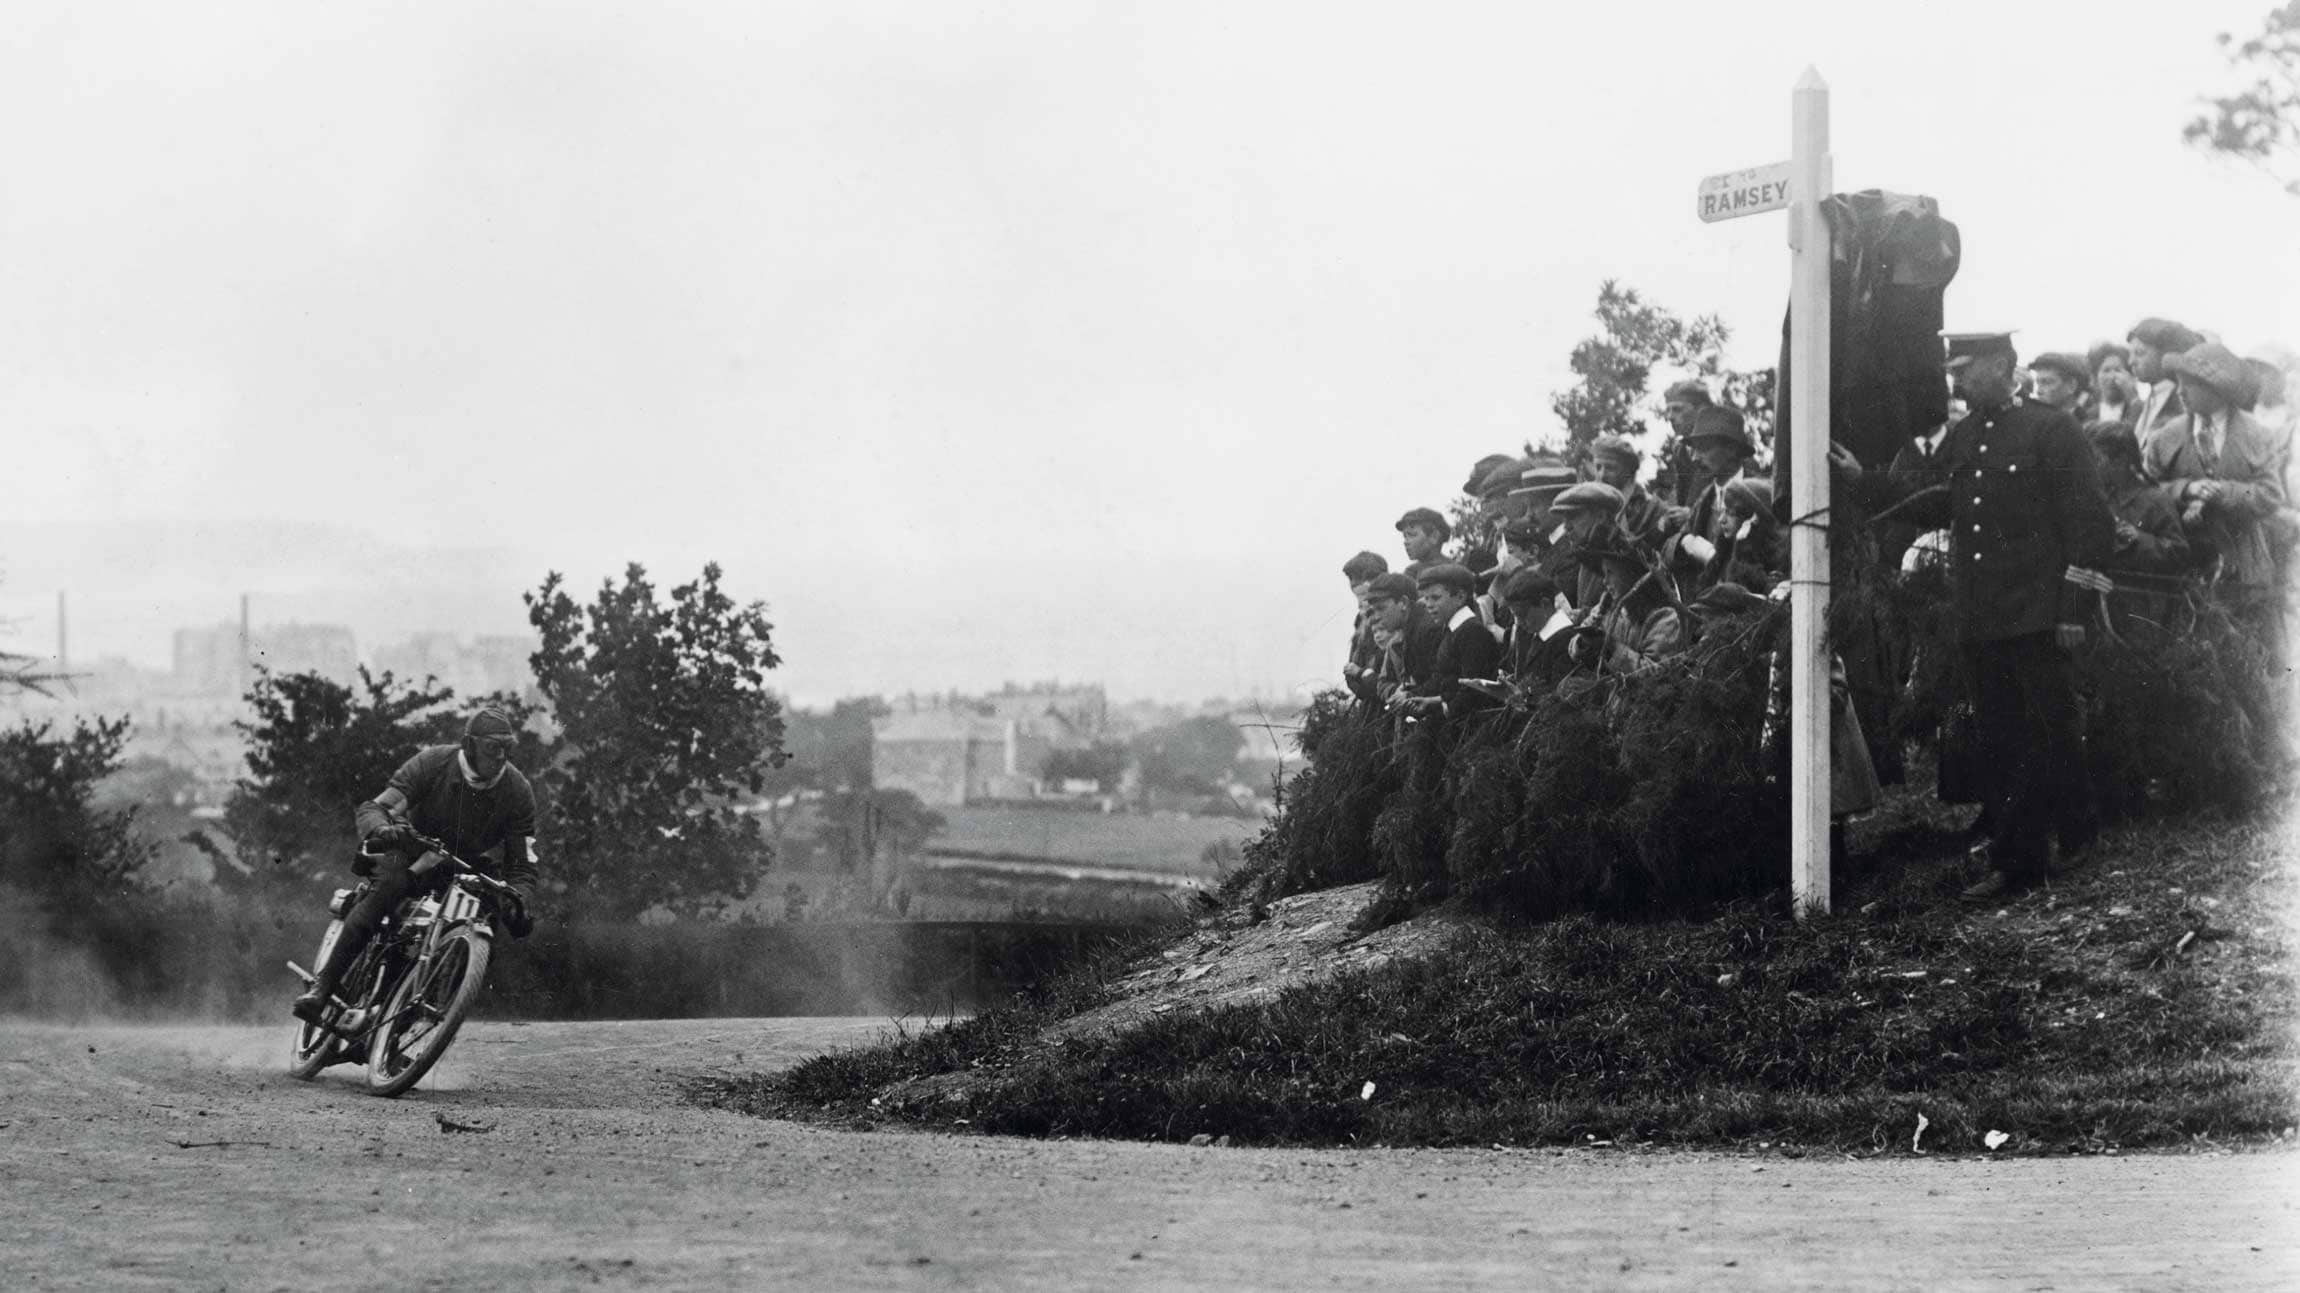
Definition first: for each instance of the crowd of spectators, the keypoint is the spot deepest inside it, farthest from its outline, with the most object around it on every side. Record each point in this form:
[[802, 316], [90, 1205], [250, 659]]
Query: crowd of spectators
[[2081, 493]]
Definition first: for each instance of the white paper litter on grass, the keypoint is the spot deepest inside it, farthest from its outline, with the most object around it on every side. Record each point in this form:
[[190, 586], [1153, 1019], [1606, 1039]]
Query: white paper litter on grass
[[1366, 1092], [1996, 1139], [1916, 1145]]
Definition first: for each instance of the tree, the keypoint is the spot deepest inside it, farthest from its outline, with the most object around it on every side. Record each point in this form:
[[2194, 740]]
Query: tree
[[666, 721], [2260, 121], [56, 846], [1192, 757], [1102, 763], [1616, 366], [316, 750]]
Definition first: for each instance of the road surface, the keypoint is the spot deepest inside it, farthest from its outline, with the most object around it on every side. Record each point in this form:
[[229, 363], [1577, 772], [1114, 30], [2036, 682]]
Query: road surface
[[183, 1157]]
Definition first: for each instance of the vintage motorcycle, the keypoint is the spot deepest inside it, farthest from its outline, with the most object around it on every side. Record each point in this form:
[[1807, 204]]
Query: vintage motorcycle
[[400, 1003]]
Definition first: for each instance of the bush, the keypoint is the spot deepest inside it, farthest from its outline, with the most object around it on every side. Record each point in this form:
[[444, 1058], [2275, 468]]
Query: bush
[[1660, 791]]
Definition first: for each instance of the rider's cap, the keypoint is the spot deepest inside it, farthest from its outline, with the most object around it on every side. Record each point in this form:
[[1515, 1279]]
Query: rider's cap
[[487, 722]]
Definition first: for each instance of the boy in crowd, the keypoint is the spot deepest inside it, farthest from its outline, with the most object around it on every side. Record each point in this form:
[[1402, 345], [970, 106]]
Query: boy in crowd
[[1423, 533], [1408, 642], [1531, 596], [1614, 460], [1361, 570], [1467, 651]]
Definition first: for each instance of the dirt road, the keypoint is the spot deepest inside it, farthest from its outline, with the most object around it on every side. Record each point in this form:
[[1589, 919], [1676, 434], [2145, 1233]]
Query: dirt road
[[185, 1158]]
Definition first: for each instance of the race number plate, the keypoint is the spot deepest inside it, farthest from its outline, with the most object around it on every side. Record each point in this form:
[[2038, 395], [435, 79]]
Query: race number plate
[[462, 906]]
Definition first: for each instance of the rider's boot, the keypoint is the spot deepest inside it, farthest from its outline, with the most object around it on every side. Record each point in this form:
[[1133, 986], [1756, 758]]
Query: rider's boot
[[311, 1007]]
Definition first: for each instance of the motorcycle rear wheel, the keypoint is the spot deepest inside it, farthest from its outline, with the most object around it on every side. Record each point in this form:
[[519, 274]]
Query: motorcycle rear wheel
[[424, 1011]]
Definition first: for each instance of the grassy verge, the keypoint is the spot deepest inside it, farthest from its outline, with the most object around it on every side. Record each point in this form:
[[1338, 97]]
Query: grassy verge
[[2147, 1001]]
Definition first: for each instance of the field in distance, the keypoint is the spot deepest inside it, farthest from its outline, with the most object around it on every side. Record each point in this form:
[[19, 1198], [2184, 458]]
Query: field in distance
[[1159, 842]]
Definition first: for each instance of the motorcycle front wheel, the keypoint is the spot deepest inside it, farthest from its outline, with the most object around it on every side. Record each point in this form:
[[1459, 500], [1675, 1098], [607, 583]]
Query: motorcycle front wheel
[[424, 1011], [313, 1049]]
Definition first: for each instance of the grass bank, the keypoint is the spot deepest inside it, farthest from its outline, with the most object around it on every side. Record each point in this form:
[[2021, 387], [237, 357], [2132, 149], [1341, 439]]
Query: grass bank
[[2146, 1001]]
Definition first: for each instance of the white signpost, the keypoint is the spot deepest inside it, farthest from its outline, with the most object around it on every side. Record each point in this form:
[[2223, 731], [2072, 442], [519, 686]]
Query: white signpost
[[1797, 186]]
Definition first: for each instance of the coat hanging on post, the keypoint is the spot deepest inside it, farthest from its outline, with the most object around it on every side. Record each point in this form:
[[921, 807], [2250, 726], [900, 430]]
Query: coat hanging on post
[[1891, 258]]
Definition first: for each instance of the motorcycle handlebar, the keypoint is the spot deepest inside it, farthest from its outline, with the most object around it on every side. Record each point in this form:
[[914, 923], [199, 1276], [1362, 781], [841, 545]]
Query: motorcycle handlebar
[[447, 857]]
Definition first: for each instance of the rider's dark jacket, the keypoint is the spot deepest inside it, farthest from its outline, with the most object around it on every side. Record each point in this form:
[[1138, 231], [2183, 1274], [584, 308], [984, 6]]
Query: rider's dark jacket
[[434, 798]]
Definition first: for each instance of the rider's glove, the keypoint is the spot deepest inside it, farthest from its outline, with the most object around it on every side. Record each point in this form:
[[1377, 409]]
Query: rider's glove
[[391, 835], [515, 917]]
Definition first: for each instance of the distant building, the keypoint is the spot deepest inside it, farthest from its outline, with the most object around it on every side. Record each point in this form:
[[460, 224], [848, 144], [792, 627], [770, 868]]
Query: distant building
[[208, 661], [952, 749], [486, 664], [328, 650]]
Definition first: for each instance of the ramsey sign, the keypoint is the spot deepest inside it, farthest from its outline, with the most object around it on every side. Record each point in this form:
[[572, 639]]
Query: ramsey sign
[[1739, 193]]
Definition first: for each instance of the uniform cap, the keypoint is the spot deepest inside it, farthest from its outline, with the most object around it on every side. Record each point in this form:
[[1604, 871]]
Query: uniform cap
[[1593, 496], [1964, 347]]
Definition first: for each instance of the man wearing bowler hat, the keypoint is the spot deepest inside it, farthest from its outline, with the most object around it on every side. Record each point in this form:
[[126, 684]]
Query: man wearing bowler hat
[[2022, 504]]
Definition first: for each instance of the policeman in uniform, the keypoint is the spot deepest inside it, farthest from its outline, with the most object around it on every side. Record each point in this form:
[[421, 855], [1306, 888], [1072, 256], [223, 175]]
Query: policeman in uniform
[[2023, 503]]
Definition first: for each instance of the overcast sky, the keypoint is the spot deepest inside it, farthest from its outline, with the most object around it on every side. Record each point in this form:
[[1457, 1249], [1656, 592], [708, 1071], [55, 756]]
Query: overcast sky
[[981, 341]]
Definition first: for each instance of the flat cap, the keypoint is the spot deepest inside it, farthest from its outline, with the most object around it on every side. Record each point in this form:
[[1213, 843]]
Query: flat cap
[[1717, 422], [2060, 361], [1691, 390], [1449, 575], [2217, 366], [1608, 544], [1616, 446], [1502, 478], [1392, 584], [1591, 495], [1528, 585], [1427, 519], [1484, 468], [1753, 493]]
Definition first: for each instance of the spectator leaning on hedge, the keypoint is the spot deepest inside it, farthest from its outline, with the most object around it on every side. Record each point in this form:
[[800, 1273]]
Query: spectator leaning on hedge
[[2219, 466], [2023, 503], [1468, 650], [1640, 626], [1361, 570], [1408, 641]]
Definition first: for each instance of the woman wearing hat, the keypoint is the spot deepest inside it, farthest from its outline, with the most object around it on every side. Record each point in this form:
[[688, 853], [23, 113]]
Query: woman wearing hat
[[2219, 465]]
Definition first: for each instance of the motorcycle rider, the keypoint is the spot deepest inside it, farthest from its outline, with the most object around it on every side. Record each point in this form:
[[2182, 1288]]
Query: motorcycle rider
[[466, 795]]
